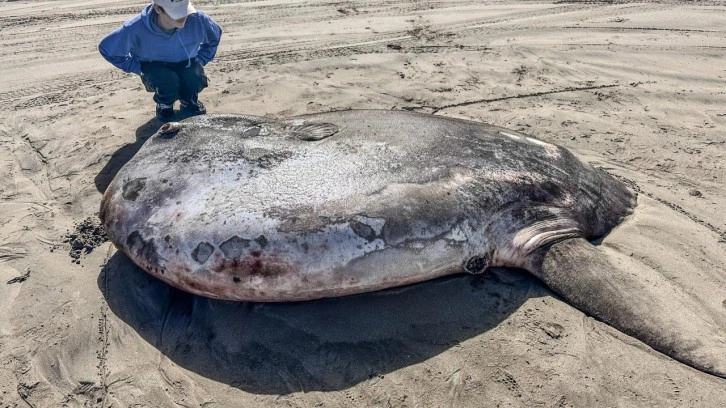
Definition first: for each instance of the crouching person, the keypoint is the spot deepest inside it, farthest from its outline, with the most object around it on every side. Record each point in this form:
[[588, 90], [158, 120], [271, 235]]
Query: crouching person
[[167, 44]]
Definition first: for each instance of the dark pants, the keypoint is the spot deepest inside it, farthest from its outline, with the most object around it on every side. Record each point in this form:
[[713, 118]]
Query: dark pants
[[172, 81]]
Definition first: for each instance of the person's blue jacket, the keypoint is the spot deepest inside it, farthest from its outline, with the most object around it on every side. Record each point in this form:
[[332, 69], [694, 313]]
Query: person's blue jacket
[[141, 39]]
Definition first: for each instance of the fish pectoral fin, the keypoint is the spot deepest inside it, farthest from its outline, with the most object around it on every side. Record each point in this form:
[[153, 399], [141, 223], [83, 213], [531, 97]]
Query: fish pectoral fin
[[311, 132], [636, 300]]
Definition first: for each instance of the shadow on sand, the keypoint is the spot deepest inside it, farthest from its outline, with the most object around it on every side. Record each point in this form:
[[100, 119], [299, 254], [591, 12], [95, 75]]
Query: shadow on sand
[[330, 344], [125, 153]]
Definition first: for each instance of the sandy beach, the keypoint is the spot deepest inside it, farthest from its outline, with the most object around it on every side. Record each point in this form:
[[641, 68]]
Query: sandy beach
[[635, 88]]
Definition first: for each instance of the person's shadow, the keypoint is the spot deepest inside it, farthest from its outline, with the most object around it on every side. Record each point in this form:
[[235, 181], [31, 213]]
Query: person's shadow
[[125, 153], [329, 344]]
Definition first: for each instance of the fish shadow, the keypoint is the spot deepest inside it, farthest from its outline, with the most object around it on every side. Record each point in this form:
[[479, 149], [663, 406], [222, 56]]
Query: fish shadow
[[322, 345]]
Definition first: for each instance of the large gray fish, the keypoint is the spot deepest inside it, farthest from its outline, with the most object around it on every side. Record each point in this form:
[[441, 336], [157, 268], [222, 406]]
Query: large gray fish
[[248, 208]]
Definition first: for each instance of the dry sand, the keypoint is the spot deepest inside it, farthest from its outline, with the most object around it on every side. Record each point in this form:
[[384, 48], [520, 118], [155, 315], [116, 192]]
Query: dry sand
[[636, 88]]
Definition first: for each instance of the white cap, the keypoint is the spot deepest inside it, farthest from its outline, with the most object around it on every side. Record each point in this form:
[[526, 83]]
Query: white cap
[[176, 9]]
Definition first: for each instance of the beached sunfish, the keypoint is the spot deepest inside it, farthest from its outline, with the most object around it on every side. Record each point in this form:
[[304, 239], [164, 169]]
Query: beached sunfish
[[255, 209]]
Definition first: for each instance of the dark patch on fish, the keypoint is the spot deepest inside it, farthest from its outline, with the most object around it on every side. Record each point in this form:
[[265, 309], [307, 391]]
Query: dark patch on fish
[[234, 247], [255, 265], [262, 241], [477, 264], [202, 252], [270, 160], [548, 191], [251, 131], [364, 231], [266, 269], [145, 250], [311, 132], [132, 188]]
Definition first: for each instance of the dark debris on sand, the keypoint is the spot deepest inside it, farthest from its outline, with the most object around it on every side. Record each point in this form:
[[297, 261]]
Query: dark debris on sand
[[19, 279], [85, 237]]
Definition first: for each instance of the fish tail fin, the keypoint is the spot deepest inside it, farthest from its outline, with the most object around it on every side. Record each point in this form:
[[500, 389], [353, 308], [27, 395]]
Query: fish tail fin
[[636, 300]]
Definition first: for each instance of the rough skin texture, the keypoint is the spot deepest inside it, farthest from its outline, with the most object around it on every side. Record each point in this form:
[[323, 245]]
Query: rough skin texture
[[246, 208]]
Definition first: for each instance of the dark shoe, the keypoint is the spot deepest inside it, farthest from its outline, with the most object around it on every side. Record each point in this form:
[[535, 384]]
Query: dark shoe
[[164, 112], [193, 108]]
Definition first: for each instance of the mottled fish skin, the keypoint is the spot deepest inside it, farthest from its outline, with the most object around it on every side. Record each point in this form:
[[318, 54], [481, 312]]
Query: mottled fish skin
[[249, 208]]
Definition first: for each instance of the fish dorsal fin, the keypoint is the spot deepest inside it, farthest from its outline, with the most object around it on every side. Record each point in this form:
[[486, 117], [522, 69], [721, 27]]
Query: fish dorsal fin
[[311, 132]]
